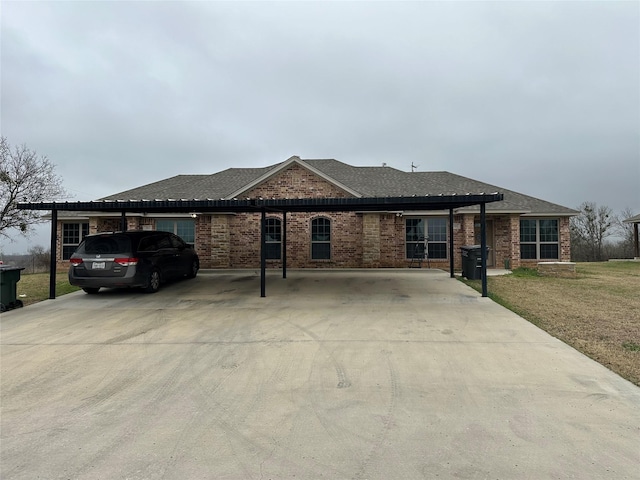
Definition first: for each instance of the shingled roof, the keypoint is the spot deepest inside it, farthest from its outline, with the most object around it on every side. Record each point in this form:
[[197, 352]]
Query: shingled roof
[[358, 181]]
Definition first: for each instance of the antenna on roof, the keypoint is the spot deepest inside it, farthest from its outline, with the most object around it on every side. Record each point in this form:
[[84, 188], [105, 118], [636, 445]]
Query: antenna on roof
[[413, 167], [384, 164]]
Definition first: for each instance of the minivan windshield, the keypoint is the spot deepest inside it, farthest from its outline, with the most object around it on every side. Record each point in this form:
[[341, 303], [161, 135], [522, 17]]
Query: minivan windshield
[[105, 245]]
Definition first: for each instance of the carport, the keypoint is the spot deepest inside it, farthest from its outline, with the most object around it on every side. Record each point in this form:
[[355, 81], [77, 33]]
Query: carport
[[284, 206]]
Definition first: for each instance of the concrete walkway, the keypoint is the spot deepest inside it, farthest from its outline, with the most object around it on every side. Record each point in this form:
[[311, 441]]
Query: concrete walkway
[[377, 374]]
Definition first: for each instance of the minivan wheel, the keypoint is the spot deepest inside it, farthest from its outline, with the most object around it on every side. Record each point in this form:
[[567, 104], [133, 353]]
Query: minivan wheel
[[91, 290], [153, 282], [194, 269]]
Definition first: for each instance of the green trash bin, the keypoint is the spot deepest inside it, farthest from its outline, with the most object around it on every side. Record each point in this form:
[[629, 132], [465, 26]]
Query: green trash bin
[[9, 278]]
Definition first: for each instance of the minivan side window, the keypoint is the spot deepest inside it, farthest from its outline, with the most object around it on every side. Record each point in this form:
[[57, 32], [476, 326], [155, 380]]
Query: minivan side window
[[177, 242], [148, 244], [164, 242]]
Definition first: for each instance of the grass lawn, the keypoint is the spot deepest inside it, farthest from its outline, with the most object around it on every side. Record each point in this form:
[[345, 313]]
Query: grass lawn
[[34, 287], [597, 313]]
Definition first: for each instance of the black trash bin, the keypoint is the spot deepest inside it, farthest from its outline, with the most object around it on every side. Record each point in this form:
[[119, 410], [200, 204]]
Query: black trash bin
[[9, 277], [472, 261]]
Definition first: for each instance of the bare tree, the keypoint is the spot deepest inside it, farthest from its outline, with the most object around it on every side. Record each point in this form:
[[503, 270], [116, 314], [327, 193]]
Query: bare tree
[[39, 258], [589, 230], [24, 177]]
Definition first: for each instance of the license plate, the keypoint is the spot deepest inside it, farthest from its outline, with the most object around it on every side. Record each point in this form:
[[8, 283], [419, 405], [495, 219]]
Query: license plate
[[97, 265]]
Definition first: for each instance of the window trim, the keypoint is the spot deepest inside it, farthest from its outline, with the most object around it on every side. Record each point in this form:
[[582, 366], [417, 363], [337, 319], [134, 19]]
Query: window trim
[[426, 240], [538, 243], [278, 224], [83, 231], [320, 242]]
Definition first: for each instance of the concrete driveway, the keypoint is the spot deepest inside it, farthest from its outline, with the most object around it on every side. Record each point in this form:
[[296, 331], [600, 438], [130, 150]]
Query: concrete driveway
[[377, 374]]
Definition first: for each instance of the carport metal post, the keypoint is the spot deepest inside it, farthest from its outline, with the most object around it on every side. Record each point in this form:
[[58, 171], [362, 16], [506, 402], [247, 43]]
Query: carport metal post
[[52, 254], [451, 243], [483, 246], [123, 221], [263, 253]]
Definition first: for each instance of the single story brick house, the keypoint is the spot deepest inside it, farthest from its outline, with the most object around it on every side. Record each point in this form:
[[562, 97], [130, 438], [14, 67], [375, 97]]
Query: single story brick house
[[521, 230]]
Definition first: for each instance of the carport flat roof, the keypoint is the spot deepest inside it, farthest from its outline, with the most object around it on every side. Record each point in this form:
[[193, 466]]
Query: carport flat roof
[[350, 204], [426, 202]]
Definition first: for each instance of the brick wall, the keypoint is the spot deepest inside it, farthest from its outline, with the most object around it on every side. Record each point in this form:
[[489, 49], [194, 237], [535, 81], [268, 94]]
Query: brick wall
[[514, 221], [565, 240], [204, 231], [236, 243], [391, 251], [346, 241], [462, 235], [296, 182], [557, 269], [61, 265], [507, 240], [371, 240]]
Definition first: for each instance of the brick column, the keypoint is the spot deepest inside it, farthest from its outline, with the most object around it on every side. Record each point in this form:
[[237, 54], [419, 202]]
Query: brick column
[[565, 239], [93, 225], [468, 229], [133, 223], [220, 242], [371, 240], [202, 240], [61, 265], [514, 229]]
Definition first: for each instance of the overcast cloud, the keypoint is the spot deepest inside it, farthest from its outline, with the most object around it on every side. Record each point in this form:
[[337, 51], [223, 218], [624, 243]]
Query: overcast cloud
[[538, 97]]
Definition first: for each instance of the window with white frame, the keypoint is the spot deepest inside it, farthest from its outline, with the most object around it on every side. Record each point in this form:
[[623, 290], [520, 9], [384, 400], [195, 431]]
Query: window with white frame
[[539, 239], [426, 233], [185, 229], [72, 235], [321, 239], [273, 239]]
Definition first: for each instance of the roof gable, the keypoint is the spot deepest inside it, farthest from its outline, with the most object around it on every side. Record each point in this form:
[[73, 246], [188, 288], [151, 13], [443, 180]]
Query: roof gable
[[281, 167]]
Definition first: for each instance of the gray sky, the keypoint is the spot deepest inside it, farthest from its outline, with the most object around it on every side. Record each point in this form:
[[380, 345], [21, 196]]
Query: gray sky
[[538, 97]]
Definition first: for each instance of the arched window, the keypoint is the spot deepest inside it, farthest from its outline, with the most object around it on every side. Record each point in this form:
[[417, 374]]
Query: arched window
[[321, 239], [274, 238]]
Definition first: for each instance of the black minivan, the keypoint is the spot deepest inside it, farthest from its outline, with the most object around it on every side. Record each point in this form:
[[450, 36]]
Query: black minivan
[[136, 258]]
